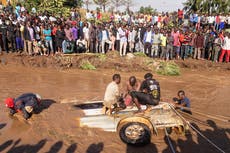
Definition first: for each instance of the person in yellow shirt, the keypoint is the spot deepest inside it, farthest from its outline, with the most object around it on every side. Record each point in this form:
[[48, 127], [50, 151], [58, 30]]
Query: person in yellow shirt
[[163, 46]]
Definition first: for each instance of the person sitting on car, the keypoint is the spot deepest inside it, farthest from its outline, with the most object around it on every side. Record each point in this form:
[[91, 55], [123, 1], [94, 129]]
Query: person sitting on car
[[133, 84], [182, 102], [112, 95], [149, 93], [25, 103]]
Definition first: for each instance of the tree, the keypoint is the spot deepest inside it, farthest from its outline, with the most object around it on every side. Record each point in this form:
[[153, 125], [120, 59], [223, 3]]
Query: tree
[[73, 3], [117, 3], [102, 3], [87, 3], [128, 4], [147, 10], [207, 6]]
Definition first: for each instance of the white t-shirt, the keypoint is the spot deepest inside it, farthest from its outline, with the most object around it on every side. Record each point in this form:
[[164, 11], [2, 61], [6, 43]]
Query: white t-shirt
[[149, 37], [86, 32], [104, 35], [122, 35], [111, 93]]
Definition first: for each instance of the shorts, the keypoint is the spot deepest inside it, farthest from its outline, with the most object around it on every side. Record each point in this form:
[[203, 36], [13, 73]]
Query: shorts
[[144, 98]]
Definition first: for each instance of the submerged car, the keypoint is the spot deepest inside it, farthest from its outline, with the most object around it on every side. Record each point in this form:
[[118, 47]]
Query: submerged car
[[132, 127]]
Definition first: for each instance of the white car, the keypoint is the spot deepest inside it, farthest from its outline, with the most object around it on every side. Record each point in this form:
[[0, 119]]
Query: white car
[[133, 128]]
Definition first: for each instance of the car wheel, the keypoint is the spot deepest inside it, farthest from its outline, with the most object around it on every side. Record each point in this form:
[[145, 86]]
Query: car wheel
[[135, 133]]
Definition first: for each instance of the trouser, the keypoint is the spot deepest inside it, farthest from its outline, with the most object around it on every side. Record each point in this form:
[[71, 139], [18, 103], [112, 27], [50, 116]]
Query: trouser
[[216, 26], [155, 50], [123, 46], [184, 51], [49, 44], [170, 51], [98, 47], [19, 43], [164, 53], [148, 48], [5, 43], [92, 45], [197, 53], [12, 42], [176, 51], [216, 51], [144, 98], [223, 52], [131, 46], [103, 45], [28, 47], [190, 50], [117, 45], [139, 47]]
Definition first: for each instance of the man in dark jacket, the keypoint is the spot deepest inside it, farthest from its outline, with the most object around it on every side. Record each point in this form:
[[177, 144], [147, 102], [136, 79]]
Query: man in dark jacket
[[149, 93], [26, 103], [11, 36], [4, 36]]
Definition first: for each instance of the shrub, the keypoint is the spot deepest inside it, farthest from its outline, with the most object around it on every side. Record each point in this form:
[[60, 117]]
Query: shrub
[[102, 57], [86, 65], [141, 54], [168, 68]]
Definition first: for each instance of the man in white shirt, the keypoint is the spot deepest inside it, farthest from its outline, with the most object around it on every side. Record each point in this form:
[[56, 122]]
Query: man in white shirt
[[123, 41], [131, 39], [112, 94], [148, 41]]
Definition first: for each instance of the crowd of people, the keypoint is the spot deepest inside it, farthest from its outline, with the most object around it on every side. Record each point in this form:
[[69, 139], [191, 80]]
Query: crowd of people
[[159, 35]]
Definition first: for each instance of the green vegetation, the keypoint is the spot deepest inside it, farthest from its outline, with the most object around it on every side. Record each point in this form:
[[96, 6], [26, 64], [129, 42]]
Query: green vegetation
[[147, 10], [86, 65], [102, 57], [56, 7], [141, 54], [208, 6], [168, 68]]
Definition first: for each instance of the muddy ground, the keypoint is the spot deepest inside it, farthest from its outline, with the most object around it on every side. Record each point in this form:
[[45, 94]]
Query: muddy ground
[[55, 128]]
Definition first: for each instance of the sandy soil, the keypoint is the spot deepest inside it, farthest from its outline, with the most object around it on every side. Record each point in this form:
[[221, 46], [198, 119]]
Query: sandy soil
[[55, 128]]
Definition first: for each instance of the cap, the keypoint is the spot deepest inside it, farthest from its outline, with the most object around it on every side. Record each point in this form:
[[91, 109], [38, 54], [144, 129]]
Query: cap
[[9, 102], [29, 109], [38, 96], [148, 75]]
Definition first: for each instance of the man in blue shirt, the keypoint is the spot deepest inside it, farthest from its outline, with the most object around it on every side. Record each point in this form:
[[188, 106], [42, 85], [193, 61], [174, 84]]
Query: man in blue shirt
[[48, 39], [182, 102]]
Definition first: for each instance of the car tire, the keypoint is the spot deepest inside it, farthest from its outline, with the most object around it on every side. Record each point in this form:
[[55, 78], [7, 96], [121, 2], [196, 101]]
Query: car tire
[[135, 133]]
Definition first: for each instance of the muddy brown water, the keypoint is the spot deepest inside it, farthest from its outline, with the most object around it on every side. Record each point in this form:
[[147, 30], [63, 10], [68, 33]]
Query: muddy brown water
[[55, 128]]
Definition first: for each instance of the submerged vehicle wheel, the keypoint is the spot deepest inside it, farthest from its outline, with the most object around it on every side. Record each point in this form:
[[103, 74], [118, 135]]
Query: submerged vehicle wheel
[[135, 133]]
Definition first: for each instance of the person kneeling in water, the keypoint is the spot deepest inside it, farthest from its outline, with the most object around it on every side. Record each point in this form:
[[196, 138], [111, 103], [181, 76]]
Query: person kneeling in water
[[182, 102], [149, 93], [112, 98], [26, 103]]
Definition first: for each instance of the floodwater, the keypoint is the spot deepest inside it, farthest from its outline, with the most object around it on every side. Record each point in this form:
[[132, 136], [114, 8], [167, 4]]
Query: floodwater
[[55, 128]]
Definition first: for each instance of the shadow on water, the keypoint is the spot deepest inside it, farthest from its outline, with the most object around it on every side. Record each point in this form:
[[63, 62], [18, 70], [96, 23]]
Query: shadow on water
[[56, 147], [169, 149], [26, 147], [45, 104], [216, 134], [14, 147], [95, 148], [71, 148], [142, 149], [2, 125]]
